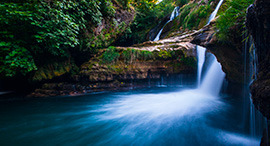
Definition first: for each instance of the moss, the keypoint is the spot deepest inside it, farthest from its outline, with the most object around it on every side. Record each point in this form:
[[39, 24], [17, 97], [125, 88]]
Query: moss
[[164, 54], [55, 70], [129, 55], [110, 56], [145, 55]]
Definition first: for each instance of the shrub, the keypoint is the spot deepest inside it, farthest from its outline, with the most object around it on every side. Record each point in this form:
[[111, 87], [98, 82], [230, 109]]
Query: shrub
[[37, 31], [110, 56]]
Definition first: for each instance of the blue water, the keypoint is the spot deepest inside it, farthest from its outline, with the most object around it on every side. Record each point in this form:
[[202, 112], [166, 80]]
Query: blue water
[[151, 116]]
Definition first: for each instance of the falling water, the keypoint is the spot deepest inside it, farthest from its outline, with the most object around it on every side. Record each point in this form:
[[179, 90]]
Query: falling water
[[213, 79], [182, 116], [174, 14], [256, 120], [201, 58], [213, 15]]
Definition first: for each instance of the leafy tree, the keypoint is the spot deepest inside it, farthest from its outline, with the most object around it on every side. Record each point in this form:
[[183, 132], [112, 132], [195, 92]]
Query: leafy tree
[[32, 32]]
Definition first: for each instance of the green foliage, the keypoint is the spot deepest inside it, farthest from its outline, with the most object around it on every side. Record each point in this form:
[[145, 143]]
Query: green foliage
[[233, 13], [148, 15], [110, 56], [131, 55], [55, 69], [181, 2], [164, 54], [14, 58], [192, 15], [145, 55], [33, 32], [184, 13]]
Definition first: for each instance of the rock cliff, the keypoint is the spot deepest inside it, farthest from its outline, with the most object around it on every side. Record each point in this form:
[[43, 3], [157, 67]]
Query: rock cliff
[[258, 24]]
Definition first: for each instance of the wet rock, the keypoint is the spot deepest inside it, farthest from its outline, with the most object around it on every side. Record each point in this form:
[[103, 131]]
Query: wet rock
[[228, 54], [258, 24], [265, 141]]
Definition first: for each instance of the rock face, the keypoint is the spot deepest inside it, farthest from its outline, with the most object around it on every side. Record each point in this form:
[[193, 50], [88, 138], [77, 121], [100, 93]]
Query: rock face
[[132, 67], [258, 24], [228, 54]]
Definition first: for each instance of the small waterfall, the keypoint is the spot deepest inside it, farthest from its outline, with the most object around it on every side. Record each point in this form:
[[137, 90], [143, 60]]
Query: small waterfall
[[201, 58], [214, 76], [174, 14], [213, 79], [256, 121], [213, 15]]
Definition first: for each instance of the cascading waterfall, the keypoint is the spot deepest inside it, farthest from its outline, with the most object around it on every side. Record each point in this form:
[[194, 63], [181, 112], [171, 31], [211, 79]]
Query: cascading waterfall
[[174, 14], [214, 13], [170, 117], [207, 86], [213, 79], [201, 58], [215, 74], [256, 121]]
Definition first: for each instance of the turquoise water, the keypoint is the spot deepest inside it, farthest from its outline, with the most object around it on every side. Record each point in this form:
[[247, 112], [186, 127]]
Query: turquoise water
[[150, 116]]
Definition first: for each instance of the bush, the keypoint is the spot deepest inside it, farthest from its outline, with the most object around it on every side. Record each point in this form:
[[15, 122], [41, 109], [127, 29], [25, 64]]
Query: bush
[[110, 56], [37, 31], [15, 59]]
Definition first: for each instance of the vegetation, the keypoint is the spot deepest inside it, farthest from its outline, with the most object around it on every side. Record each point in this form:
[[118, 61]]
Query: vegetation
[[147, 10], [194, 15], [110, 56], [31, 31], [36, 34], [47, 37], [232, 13]]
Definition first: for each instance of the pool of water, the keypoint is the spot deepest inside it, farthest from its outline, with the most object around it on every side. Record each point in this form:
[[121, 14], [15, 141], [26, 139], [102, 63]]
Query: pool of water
[[150, 116]]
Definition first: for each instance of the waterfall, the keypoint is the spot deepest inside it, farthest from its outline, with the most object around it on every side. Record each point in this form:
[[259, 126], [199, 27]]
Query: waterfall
[[174, 14], [256, 120], [213, 79], [201, 58], [213, 15]]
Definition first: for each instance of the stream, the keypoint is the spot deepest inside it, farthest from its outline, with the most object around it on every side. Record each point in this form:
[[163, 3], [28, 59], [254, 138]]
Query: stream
[[164, 115]]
